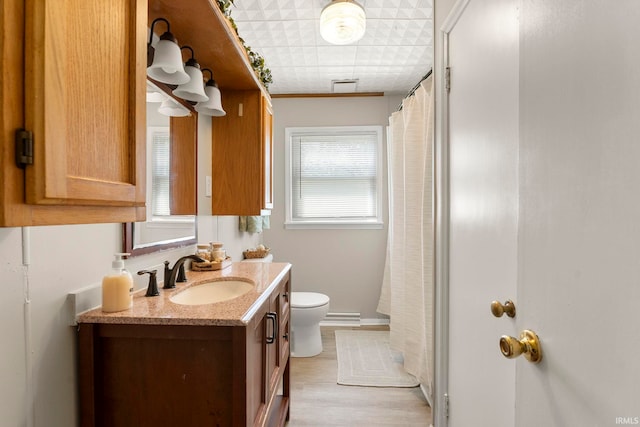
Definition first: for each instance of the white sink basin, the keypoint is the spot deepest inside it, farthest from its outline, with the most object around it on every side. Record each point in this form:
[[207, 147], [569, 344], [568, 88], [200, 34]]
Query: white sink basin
[[211, 292]]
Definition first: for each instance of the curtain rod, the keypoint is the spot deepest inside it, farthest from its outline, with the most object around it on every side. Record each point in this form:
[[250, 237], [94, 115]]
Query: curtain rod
[[412, 91]]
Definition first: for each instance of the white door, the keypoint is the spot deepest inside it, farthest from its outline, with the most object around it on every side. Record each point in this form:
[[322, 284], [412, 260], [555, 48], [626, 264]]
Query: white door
[[545, 209], [483, 177], [579, 233]]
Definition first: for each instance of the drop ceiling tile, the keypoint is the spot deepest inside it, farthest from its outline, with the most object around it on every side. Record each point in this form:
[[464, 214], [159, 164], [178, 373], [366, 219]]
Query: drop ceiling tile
[[336, 55], [393, 55]]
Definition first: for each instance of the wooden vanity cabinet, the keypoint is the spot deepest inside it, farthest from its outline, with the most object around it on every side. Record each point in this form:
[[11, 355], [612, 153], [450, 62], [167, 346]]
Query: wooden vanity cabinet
[[181, 375], [242, 154], [74, 78], [272, 407]]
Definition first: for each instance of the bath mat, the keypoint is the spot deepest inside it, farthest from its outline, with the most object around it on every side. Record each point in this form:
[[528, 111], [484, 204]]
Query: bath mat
[[365, 359]]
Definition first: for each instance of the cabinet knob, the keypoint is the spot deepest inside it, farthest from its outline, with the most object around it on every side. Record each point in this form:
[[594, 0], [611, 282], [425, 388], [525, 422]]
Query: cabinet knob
[[286, 337], [286, 296]]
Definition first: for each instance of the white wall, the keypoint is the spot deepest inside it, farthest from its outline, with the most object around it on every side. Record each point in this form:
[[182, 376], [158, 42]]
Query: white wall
[[346, 265], [64, 259]]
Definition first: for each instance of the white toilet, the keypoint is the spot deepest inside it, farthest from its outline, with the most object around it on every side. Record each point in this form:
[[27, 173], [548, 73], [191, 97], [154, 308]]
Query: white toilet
[[307, 310]]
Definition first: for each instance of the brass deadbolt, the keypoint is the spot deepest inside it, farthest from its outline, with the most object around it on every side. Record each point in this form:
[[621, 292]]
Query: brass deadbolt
[[528, 344], [508, 308]]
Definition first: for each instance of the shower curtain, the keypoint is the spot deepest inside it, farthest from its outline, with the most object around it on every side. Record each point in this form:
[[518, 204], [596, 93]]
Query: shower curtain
[[407, 291]]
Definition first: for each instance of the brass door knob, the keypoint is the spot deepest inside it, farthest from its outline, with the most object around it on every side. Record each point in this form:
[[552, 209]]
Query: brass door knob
[[508, 308], [528, 344]]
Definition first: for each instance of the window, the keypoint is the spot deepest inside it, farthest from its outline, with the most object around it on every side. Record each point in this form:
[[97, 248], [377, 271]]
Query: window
[[160, 180], [334, 177]]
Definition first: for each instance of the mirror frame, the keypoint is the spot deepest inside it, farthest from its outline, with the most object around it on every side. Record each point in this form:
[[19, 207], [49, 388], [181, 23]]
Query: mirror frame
[[127, 238], [129, 227]]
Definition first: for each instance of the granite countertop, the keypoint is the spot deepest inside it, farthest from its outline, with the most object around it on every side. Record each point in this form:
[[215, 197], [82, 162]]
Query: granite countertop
[[160, 310]]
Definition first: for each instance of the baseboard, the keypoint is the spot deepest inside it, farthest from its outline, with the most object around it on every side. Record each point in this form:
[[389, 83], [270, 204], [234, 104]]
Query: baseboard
[[374, 322], [351, 320], [341, 319]]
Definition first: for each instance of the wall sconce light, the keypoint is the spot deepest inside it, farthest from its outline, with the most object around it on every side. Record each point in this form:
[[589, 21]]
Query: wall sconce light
[[193, 90], [166, 59], [212, 107], [170, 107], [342, 22], [154, 94]]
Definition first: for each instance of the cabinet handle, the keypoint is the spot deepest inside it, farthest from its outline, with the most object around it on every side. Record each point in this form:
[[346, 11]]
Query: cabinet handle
[[286, 337], [274, 318], [286, 296]]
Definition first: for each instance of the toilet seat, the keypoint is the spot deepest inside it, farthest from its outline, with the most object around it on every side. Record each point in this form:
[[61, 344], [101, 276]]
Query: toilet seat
[[308, 299]]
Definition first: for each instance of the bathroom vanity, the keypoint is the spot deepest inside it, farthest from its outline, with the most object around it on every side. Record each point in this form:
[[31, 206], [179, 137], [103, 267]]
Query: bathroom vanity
[[162, 364]]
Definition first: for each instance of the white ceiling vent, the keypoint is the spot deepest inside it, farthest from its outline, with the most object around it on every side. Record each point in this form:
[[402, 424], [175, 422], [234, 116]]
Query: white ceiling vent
[[344, 86]]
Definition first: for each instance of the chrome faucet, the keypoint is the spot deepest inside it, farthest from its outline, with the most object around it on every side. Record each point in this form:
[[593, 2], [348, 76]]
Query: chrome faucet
[[170, 274]]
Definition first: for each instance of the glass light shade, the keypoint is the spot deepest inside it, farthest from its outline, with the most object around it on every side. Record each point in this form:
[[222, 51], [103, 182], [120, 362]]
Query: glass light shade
[[193, 90], [155, 97], [213, 107], [154, 93], [171, 108], [167, 66], [342, 22]]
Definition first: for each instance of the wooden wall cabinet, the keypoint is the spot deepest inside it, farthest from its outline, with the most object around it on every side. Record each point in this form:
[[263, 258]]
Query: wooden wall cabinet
[[242, 151], [242, 140], [165, 375], [74, 77], [183, 161]]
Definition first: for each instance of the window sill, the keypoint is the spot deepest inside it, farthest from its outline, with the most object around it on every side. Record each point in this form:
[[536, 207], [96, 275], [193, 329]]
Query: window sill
[[327, 225]]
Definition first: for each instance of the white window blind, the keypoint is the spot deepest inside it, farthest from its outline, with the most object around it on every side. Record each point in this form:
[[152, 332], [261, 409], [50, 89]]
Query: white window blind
[[334, 175], [160, 165]]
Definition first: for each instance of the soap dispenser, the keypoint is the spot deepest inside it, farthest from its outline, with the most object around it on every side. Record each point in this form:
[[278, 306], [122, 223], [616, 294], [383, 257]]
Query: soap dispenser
[[117, 287]]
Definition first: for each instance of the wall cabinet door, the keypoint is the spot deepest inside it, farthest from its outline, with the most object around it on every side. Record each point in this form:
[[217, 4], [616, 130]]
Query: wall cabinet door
[[267, 153], [242, 150], [78, 85]]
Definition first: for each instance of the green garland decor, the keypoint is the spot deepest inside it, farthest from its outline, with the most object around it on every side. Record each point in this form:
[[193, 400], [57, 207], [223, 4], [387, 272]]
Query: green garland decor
[[256, 60]]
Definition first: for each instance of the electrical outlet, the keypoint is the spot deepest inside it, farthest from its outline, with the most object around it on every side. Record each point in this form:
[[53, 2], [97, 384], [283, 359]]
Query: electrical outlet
[[207, 191]]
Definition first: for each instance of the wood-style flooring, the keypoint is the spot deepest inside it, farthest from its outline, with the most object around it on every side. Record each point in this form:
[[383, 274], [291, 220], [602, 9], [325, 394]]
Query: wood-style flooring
[[317, 400]]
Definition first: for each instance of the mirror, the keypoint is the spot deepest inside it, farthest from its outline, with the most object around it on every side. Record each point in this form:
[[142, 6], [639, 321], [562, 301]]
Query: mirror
[[171, 176]]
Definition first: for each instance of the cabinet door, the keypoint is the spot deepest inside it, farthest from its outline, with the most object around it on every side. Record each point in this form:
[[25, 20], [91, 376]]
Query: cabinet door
[[256, 355], [242, 155], [85, 101], [273, 346], [267, 153], [285, 313], [183, 179]]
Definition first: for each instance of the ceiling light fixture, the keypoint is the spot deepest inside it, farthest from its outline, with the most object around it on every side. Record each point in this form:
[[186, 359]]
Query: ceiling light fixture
[[342, 22]]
